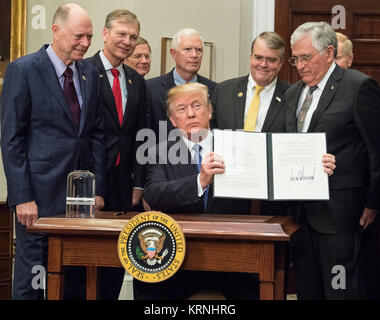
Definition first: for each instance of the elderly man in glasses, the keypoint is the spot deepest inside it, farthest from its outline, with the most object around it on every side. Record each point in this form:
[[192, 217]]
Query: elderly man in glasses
[[329, 256]]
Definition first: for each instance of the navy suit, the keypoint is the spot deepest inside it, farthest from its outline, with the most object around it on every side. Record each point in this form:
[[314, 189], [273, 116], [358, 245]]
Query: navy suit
[[122, 139], [172, 188], [40, 147], [157, 93]]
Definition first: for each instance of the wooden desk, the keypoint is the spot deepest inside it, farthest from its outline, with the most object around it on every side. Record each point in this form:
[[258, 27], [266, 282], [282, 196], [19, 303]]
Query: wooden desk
[[234, 243]]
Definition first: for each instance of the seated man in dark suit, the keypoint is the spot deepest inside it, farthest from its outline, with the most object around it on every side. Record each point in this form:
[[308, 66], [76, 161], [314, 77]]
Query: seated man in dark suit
[[185, 187], [187, 52]]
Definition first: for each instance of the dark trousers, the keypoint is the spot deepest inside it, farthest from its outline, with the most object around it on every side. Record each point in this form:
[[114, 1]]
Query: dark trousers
[[119, 190], [110, 282], [329, 266], [30, 264]]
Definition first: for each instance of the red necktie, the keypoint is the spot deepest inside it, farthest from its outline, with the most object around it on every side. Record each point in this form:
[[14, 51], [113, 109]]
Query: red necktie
[[119, 104], [71, 96]]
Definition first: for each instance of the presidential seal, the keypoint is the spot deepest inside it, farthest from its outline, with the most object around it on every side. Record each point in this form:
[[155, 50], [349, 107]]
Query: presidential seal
[[151, 246]]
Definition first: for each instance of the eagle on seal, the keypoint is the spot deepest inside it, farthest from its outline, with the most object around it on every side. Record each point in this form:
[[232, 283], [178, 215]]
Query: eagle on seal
[[151, 242]]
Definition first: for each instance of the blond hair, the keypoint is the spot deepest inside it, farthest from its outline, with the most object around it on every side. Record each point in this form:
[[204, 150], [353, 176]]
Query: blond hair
[[347, 47], [193, 87]]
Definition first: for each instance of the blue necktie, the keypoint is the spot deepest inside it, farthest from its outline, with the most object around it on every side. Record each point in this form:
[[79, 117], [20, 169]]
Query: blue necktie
[[198, 160]]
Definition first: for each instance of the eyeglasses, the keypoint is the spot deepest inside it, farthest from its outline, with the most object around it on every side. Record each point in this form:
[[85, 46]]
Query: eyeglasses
[[304, 59]]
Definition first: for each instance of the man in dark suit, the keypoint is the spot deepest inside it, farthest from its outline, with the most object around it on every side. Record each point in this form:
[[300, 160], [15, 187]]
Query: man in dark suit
[[232, 98], [125, 177], [187, 52], [182, 188], [51, 124], [329, 256]]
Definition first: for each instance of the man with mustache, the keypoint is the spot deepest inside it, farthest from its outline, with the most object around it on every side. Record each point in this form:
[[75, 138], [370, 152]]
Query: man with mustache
[[123, 100], [51, 124]]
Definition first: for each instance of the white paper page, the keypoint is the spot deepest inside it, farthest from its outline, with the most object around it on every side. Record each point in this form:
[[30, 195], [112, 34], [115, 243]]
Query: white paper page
[[244, 155], [297, 166]]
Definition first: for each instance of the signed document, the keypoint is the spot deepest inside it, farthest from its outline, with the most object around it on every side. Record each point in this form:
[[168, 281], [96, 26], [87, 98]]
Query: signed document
[[271, 166], [297, 166]]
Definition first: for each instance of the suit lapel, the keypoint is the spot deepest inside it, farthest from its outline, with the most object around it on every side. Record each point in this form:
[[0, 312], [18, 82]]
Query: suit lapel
[[327, 95], [83, 79], [185, 169], [130, 85], [106, 90], [238, 101], [292, 104], [49, 75], [167, 82], [274, 107]]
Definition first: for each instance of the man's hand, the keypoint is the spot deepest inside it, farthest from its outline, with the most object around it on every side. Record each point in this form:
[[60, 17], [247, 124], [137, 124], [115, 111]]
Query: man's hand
[[211, 164], [328, 163], [367, 217], [27, 213], [99, 203], [146, 205], [136, 196]]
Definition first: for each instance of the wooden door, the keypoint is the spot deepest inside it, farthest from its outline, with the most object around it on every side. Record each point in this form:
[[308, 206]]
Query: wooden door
[[362, 22]]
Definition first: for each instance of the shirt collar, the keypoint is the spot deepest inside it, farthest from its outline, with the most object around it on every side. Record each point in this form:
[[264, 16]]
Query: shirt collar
[[107, 65], [178, 80], [58, 64], [252, 83], [205, 143]]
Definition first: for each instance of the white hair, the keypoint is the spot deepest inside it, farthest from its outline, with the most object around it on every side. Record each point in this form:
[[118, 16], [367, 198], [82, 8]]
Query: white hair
[[187, 32], [322, 35]]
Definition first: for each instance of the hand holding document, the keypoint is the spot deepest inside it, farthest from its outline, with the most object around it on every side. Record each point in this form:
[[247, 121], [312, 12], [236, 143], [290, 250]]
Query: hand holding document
[[284, 166]]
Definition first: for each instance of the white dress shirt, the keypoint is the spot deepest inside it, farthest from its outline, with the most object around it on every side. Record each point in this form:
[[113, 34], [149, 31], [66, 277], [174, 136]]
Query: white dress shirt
[[266, 96], [123, 82]]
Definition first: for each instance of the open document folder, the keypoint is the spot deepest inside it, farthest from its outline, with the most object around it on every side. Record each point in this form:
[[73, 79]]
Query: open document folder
[[272, 166]]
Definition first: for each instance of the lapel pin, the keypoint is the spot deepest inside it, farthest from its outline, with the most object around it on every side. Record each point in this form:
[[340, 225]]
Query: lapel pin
[[130, 81], [84, 78], [278, 99], [240, 94], [332, 87], [101, 75]]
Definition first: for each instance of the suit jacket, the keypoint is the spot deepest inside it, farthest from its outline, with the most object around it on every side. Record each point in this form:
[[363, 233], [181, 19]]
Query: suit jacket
[[157, 92], [349, 113], [39, 143], [228, 102], [122, 139], [172, 188]]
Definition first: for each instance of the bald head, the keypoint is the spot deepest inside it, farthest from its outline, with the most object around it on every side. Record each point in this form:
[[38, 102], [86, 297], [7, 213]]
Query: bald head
[[72, 32]]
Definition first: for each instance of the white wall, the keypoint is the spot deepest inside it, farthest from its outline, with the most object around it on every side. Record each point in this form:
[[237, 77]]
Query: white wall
[[226, 23]]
